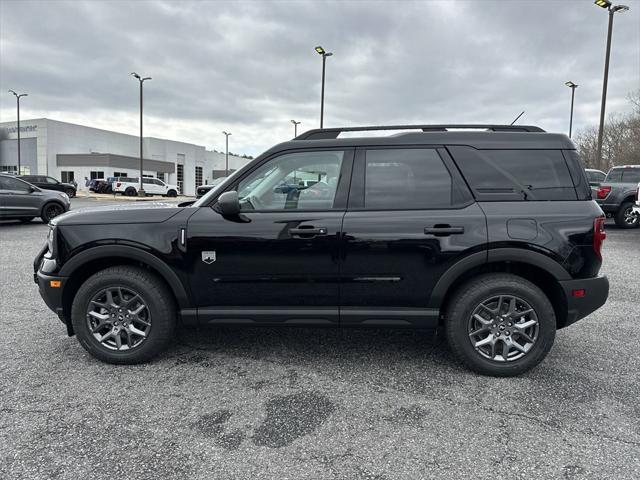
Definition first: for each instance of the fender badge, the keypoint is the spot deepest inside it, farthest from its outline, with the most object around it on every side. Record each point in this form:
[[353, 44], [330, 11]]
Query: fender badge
[[209, 257]]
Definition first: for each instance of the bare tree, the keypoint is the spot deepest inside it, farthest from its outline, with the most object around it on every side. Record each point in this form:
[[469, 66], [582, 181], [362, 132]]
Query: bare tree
[[621, 142]]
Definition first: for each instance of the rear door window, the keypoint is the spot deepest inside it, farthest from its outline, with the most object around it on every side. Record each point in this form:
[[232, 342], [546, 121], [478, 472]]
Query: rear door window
[[509, 175], [614, 175], [403, 179], [631, 175]]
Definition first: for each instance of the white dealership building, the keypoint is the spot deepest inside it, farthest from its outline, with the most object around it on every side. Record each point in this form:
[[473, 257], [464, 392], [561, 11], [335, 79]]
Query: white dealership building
[[72, 152]]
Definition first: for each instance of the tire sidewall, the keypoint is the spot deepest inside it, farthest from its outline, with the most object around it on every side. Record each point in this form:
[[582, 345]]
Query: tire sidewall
[[46, 217], [458, 325], [161, 313]]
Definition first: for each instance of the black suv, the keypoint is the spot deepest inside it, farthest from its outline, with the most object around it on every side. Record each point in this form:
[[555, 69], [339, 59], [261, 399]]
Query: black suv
[[489, 235], [50, 183]]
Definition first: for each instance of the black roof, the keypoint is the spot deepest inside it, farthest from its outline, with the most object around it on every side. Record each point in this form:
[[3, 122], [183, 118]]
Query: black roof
[[493, 137]]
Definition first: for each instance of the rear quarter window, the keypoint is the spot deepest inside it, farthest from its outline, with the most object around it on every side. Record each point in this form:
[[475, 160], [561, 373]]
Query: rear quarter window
[[508, 175]]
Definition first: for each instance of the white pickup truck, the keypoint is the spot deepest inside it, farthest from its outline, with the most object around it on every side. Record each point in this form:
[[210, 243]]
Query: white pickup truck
[[152, 186], [636, 209]]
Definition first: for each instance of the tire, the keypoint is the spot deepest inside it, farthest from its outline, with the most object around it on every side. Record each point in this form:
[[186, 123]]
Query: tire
[[172, 193], [26, 219], [489, 289], [625, 218], [70, 192], [50, 211], [130, 192], [159, 310]]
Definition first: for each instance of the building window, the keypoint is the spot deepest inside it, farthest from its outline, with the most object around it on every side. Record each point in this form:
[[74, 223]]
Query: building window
[[67, 177], [13, 169], [160, 176], [180, 177], [119, 174], [96, 175], [198, 176]]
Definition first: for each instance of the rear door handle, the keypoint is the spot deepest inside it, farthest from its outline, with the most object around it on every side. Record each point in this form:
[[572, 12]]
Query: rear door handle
[[307, 232], [443, 230]]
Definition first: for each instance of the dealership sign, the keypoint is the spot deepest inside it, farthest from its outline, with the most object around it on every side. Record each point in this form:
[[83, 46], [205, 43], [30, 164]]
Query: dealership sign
[[28, 128]]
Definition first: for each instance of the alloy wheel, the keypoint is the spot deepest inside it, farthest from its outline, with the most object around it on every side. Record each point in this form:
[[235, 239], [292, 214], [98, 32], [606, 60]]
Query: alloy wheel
[[119, 318], [53, 211], [630, 217], [503, 328]]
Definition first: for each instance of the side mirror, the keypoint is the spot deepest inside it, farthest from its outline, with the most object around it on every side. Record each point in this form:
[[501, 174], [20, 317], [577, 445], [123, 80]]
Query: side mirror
[[228, 204]]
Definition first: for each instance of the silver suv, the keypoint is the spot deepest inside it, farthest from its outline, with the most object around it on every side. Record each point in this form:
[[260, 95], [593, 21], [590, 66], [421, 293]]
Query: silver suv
[[23, 201]]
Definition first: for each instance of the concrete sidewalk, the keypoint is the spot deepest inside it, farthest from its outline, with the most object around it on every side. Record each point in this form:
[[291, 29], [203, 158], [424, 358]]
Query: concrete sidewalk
[[125, 198]]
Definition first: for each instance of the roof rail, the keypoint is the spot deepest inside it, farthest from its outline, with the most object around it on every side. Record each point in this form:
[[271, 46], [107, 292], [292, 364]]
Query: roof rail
[[332, 133]]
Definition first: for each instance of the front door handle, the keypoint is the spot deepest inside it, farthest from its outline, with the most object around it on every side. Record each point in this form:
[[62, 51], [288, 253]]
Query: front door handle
[[307, 232], [443, 230]]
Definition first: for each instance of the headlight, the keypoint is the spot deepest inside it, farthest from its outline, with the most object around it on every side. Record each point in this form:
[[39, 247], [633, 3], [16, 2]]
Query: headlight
[[64, 196], [51, 241]]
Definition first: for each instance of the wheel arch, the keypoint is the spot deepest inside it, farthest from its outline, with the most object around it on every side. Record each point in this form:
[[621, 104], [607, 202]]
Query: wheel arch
[[83, 265], [539, 269]]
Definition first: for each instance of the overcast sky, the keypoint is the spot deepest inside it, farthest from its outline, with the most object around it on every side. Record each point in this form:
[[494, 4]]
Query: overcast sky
[[250, 67]]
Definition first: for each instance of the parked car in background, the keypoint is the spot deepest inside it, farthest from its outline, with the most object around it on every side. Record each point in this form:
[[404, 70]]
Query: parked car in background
[[50, 183], [617, 195], [152, 186], [97, 185], [203, 189], [595, 177], [24, 201]]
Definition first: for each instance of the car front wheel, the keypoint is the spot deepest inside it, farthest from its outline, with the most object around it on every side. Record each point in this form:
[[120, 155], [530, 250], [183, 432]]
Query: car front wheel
[[124, 315], [172, 193], [50, 211], [70, 192], [500, 325]]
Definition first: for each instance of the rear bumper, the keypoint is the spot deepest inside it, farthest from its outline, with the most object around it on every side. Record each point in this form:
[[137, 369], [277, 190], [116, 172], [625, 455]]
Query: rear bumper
[[596, 292]]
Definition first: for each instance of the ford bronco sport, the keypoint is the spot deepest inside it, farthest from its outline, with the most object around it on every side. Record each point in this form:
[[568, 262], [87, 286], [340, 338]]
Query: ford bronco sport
[[491, 236]]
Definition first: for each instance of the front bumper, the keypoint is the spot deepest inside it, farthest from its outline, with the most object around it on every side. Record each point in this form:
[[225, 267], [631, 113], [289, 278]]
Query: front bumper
[[596, 292], [51, 289]]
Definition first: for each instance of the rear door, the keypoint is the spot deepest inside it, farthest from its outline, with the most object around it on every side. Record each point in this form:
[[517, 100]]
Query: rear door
[[410, 217]]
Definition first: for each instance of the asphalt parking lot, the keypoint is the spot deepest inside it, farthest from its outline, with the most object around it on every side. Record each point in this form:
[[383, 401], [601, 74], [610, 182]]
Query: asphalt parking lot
[[315, 403]]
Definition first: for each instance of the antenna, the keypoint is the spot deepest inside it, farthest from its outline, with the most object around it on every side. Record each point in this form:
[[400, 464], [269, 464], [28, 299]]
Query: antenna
[[516, 119]]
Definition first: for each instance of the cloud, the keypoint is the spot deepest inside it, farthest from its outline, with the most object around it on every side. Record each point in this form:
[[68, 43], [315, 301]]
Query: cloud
[[249, 67]]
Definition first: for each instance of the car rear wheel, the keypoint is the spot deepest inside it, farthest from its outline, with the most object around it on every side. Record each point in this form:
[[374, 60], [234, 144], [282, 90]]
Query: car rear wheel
[[26, 219], [124, 315], [626, 217], [130, 192], [50, 211], [500, 325]]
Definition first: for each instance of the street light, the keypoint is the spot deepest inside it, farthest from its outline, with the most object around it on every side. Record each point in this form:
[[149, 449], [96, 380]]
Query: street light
[[226, 155], [573, 87], [324, 54], [141, 192], [606, 4], [18, 106], [295, 128]]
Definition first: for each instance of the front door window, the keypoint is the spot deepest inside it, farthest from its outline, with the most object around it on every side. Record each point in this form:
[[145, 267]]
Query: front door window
[[295, 181]]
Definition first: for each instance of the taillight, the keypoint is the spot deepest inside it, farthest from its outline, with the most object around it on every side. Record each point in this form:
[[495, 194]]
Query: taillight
[[118, 184], [599, 235], [603, 192]]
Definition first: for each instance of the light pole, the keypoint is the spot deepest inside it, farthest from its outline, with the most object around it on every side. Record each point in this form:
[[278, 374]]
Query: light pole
[[573, 87], [324, 54], [606, 4], [18, 129], [295, 128], [226, 155], [141, 80]]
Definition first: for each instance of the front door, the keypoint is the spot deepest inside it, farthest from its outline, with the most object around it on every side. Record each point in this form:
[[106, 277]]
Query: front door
[[277, 261], [17, 198], [410, 217]]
